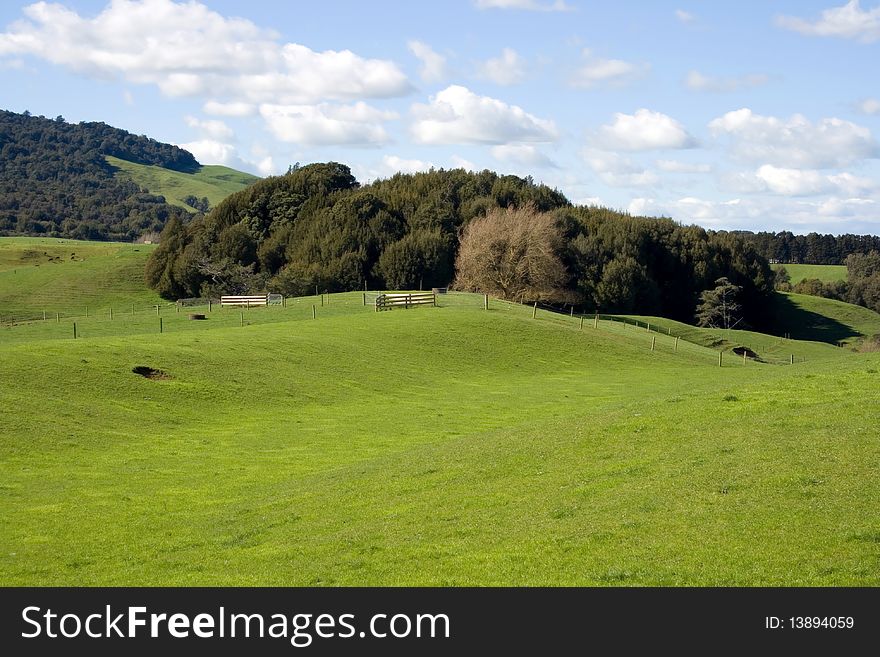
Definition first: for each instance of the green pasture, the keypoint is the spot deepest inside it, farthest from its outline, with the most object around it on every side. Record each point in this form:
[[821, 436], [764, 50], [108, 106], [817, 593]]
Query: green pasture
[[825, 273], [212, 181], [322, 443]]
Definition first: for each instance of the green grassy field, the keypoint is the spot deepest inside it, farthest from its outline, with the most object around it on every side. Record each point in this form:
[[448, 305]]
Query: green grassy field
[[825, 273], [211, 181], [70, 276], [430, 446]]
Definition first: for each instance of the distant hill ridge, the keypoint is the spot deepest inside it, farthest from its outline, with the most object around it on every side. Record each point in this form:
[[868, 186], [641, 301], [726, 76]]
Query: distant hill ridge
[[55, 180]]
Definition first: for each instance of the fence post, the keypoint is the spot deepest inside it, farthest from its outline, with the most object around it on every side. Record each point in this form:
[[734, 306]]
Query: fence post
[[792, 359], [247, 304], [720, 354], [74, 330], [365, 298], [582, 322], [653, 341], [486, 301], [111, 313], [676, 345], [157, 310], [240, 318], [209, 305], [648, 327], [160, 325], [316, 290], [596, 321], [571, 312], [535, 310], [314, 312], [44, 315], [57, 318], [322, 300], [744, 356]]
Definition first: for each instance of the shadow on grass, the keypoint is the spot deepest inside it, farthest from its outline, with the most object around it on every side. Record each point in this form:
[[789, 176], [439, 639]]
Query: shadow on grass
[[801, 324]]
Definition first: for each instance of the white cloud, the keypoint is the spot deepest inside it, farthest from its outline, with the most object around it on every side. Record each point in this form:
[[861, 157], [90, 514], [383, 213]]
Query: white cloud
[[784, 181], [869, 106], [234, 109], [210, 128], [327, 124], [685, 16], [795, 142], [462, 163], [211, 151], [644, 130], [456, 115], [674, 166], [506, 69], [266, 166], [433, 64], [848, 21], [618, 171], [188, 50], [696, 81], [392, 164], [828, 215], [531, 5], [596, 71], [523, 154]]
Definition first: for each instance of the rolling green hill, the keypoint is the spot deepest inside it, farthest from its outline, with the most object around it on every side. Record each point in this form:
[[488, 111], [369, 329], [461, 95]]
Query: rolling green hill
[[825, 273], [211, 181], [432, 446]]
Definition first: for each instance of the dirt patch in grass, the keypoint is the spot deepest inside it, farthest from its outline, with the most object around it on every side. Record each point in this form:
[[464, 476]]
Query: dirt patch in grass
[[150, 373]]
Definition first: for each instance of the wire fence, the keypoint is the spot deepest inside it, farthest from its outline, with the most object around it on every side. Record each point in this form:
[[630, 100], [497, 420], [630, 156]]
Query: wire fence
[[191, 314]]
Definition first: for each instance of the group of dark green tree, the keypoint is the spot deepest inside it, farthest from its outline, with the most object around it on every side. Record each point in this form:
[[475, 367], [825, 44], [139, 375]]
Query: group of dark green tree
[[862, 286], [56, 182], [505, 235], [811, 249]]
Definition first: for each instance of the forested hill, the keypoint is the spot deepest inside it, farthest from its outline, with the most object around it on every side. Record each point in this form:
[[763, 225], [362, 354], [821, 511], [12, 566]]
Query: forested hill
[[316, 226], [55, 180]]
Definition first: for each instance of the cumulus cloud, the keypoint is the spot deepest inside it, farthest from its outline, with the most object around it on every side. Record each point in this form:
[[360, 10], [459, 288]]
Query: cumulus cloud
[[685, 17], [642, 131], [327, 124], [618, 171], [523, 154], [531, 5], [186, 49], [506, 69], [210, 128], [392, 164], [785, 181], [674, 166], [799, 215], [456, 115], [232, 109], [211, 151], [462, 163], [596, 71], [849, 21], [433, 63], [868, 106], [795, 142], [696, 81]]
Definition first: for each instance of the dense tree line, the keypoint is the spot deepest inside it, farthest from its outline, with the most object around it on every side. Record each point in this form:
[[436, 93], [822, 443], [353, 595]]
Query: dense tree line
[[811, 249], [54, 180], [862, 286], [316, 226]]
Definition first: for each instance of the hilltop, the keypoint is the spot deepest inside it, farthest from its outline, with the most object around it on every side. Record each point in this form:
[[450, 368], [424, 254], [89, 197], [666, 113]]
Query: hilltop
[[94, 181]]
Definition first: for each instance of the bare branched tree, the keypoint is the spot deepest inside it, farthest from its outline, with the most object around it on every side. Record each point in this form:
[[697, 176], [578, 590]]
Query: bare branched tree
[[512, 254]]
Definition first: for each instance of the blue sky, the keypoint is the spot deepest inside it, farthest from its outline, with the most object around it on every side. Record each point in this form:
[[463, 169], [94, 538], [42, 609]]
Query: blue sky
[[734, 115]]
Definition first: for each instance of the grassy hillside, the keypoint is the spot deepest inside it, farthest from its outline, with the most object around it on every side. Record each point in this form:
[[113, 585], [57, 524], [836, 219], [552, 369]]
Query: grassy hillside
[[430, 446], [69, 276], [806, 317], [825, 273], [211, 181]]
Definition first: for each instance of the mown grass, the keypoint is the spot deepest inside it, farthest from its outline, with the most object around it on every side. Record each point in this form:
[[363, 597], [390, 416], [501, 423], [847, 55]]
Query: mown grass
[[825, 273], [211, 181], [432, 446], [70, 276]]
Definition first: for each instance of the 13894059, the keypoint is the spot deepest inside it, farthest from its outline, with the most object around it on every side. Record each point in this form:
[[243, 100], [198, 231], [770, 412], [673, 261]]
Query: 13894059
[[810, 622]]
